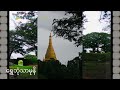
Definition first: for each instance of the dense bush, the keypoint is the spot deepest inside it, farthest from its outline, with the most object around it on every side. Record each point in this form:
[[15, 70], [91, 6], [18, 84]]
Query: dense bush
[[74, 69], [102, 57], [52, 69], [30, 59]]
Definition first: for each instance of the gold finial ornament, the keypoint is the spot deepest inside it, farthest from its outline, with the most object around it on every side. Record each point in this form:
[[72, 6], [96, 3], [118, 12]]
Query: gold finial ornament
[[43, 59], [50, 54]]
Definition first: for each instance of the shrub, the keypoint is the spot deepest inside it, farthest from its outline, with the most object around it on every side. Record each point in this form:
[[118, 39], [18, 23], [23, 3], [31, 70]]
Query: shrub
[[30, 59], [101, 57]]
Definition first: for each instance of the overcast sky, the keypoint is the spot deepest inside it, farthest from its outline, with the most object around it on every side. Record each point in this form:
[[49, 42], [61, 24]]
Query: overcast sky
[[64, 49]]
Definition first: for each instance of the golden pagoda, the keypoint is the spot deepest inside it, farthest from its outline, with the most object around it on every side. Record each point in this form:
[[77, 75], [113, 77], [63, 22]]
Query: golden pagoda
[[50, 54]]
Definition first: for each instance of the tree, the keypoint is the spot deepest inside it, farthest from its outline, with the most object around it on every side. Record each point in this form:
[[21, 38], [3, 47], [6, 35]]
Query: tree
[[71, 28], [97, 40], [27, 32], [15, 44], [75, 68], [106, 17], [52, 69], [30, 59]]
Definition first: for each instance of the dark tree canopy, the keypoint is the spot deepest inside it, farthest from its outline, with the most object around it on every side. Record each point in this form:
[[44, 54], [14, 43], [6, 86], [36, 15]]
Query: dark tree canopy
[[53, 69], [97, 40], [15, 44], [71, 28], [27, 32]]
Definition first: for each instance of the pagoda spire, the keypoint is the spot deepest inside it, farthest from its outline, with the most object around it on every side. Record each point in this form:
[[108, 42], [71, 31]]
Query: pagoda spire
[[43, 59], [50, 54]]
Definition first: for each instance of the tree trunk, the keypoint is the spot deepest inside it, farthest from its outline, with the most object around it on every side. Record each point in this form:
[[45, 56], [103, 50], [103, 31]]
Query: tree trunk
[[97, 49], [93, 50], [10, 53], [35, 50]]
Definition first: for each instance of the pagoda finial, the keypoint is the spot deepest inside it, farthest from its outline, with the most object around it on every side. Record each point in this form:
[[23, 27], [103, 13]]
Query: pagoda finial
[[50, 54], [50, 34], [43, 59]]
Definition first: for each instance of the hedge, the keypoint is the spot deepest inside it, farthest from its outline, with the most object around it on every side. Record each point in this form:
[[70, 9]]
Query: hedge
[[27, 60], [30, 59], [102, 57]]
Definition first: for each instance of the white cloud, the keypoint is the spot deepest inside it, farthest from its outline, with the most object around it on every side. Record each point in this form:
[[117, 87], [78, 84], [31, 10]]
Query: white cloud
[[93, 24]]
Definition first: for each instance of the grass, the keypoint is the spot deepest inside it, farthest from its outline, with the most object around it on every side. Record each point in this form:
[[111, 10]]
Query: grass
[[20, 67], [91, 70], [24, 75]]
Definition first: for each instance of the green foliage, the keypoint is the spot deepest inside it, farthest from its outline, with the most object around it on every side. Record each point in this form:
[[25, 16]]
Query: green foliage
[[20, 67], [25, 34], [97, 40], [55, 70], [28, 33], [30, 59], [74, 69], [94, 65], [15, 43], [99, 57], [52, 69], [71, 28]]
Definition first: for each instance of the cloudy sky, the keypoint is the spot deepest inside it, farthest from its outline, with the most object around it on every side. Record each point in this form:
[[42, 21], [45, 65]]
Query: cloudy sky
[[64, 49]]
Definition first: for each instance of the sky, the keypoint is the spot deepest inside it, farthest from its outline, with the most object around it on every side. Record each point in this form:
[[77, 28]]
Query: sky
[[64, 49], [93, 24], [12, 25]]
